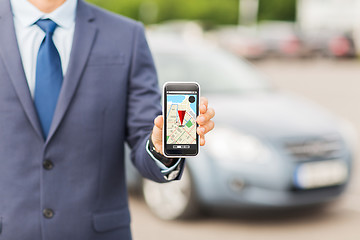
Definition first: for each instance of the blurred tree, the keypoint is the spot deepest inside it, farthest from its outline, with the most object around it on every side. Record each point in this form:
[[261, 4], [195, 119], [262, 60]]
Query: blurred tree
[[277, 10], [210, 11], [214, 11]]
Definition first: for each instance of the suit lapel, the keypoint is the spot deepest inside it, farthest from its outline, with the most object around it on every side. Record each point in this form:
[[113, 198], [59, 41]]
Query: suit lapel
[[9, 51], [84, 36]]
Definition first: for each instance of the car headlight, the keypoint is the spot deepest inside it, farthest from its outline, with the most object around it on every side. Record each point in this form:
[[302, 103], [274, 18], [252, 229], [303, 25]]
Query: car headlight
[[229, 145]]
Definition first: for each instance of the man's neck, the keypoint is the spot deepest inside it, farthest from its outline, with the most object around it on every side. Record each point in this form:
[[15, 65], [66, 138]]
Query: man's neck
[[47, 6]]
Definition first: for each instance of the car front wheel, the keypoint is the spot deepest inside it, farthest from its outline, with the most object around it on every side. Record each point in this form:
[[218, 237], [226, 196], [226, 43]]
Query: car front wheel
[[174, 200]]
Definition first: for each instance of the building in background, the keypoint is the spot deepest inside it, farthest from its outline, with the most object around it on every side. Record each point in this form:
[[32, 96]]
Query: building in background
[[324, 16]]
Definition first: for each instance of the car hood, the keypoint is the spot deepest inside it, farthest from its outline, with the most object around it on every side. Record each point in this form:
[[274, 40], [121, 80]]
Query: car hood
[[272, 115]]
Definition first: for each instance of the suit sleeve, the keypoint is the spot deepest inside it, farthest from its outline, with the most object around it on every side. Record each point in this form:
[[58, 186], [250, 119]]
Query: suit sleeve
[[143, 106]]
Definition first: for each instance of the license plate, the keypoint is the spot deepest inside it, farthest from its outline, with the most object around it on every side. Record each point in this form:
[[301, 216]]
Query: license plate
[[320, 174]]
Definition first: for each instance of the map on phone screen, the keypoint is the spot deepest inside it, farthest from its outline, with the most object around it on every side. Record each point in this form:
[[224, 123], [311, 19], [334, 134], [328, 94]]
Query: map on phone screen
[[181, 119]]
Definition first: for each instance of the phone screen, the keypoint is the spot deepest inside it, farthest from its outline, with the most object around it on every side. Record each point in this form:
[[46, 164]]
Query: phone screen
[[180, 128]]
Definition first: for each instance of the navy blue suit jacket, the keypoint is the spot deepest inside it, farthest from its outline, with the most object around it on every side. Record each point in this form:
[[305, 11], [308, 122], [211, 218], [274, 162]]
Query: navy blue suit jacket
[[109, 96]]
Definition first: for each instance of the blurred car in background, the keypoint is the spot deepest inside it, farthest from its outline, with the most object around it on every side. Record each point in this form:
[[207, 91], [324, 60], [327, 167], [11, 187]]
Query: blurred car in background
[[239, 40], [267, 39], [283, 39], [269, 148], [326, 43]]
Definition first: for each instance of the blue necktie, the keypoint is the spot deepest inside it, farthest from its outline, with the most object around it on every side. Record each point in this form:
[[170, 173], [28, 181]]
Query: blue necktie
[[49, 77]]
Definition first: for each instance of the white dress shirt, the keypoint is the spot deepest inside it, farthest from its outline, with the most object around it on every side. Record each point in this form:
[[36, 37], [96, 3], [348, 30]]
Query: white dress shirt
[[30, 36]]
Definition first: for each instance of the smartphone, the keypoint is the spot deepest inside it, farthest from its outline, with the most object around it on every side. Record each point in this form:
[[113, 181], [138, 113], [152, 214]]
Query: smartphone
[[180, 110]]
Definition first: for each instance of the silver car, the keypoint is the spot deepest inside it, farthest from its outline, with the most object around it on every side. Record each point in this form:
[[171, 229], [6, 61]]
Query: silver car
[[268, 149]]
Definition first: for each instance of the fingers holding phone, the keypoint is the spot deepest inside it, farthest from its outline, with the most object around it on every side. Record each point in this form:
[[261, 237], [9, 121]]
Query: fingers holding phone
[[156, 137]]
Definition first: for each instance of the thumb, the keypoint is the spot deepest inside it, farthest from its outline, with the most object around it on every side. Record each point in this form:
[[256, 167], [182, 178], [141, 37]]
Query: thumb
[[159, 121]]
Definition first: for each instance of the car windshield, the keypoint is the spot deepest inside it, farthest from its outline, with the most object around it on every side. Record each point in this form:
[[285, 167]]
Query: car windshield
[[214, 70]]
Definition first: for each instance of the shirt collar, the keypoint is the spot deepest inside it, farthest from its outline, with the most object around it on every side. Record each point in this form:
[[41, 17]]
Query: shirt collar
[[28, 14]]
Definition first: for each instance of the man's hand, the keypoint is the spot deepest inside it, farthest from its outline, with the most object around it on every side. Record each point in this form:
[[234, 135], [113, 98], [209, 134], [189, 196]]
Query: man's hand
[[204, 121]]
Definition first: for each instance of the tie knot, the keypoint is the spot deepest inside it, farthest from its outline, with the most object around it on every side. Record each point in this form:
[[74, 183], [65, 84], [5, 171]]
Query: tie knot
[[47, 25]]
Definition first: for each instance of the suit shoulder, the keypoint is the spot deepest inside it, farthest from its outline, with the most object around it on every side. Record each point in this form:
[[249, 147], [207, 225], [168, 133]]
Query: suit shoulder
[[111, 18]]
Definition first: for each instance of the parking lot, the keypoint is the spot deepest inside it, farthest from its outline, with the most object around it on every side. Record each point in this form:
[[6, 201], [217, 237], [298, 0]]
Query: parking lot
[[334, 85]]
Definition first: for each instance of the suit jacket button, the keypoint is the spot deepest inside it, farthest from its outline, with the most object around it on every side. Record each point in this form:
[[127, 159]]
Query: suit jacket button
[[48, 213], [48, 165]]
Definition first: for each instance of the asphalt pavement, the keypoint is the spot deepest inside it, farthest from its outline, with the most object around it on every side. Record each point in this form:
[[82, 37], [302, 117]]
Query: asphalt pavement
[[335, 85]]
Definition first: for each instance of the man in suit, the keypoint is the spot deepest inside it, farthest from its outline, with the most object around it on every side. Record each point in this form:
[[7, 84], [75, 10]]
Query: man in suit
[[76, 83]]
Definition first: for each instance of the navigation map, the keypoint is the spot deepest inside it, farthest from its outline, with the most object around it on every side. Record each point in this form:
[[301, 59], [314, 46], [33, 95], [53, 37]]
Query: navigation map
[[181, 119]]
